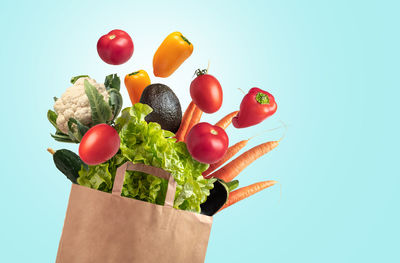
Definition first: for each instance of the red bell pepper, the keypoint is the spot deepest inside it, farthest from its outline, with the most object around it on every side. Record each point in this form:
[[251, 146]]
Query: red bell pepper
[[256, 106]]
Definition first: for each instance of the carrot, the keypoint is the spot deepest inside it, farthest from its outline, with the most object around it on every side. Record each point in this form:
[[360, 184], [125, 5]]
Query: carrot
[[195, 119], [232, 169], [234, 149], [187, 116], [227, 120], [246, 191]]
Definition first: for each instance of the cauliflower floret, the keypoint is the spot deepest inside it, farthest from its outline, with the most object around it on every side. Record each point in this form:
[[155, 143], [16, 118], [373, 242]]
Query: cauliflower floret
[[75, 104]]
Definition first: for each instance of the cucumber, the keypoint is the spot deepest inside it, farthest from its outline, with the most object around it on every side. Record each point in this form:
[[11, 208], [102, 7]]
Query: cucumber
[[69, 163]]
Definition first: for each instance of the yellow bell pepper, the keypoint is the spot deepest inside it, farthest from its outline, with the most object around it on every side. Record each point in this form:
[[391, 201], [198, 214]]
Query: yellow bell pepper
[[135, 83], [172, 52]]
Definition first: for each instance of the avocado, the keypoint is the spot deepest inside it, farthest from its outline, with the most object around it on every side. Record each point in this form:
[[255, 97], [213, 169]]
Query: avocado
[[165, 104]]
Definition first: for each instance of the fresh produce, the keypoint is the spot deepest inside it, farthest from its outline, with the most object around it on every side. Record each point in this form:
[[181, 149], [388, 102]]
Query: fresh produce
[[116, 47], [89, 113], [99, 144], [232, 169], [206, 92], [207, 143], [183, 128], [165, 104], [196, 116], [135, 83], [218, 197], [255, 107], [172, 52], [232, 185], [232, 150], [246, 191], [99, 177], [68, 163], [84, 105], [147, 143], [74, 103], [227, 120]]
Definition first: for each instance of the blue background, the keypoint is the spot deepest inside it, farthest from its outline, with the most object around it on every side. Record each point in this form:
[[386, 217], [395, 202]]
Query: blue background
[[333, 67]]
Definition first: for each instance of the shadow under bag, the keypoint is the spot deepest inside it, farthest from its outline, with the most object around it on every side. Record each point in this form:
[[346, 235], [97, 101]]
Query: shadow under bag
[[101, 227]]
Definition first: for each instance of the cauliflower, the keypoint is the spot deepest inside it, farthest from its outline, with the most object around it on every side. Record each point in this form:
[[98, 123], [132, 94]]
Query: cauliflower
[[75, 104]]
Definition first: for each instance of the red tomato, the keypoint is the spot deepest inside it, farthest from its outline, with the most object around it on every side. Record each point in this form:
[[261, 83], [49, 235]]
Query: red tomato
[[115, 48], [99, 144], [207, 143], [206, 93]]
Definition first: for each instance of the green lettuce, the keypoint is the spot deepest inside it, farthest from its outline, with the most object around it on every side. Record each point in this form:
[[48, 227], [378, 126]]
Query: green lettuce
[[96, 177], [147, 143]]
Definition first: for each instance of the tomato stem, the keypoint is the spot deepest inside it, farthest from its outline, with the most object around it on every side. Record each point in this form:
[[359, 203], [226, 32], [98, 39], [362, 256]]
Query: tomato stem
[[111, 37], [200, 72], [262, 98], [214, 132]]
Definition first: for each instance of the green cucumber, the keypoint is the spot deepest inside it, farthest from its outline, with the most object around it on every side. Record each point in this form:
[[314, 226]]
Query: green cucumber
[[69, 163]]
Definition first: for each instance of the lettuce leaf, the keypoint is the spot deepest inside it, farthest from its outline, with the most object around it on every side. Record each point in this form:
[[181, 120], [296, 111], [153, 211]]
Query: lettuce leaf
[[96, 177], [147, 143]]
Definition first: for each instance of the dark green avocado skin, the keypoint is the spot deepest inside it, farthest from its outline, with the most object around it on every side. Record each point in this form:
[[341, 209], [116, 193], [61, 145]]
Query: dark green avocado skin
[[165, 104]]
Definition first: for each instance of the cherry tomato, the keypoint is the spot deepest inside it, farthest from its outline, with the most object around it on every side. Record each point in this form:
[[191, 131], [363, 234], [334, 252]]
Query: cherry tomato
[[99, 144], [207, 143], [115, 48], [206, 92]]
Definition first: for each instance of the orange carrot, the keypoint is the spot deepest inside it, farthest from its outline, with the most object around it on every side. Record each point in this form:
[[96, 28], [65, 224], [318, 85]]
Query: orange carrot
[[232, 169], [195, 119], [227, 120], [187, 116], [234, 149], [246, 191]]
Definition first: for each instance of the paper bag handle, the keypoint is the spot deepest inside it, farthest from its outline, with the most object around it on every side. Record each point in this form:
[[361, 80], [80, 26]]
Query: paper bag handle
[[120, 175]]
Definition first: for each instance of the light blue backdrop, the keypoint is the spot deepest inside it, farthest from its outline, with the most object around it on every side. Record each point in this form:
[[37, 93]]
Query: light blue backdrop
[[333, 67]]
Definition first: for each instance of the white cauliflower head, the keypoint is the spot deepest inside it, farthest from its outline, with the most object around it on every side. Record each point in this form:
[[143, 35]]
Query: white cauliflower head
[[74, 103]]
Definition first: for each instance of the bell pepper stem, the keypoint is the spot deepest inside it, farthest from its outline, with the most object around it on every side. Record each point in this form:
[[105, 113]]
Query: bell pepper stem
[[262, 98], [133, 73]]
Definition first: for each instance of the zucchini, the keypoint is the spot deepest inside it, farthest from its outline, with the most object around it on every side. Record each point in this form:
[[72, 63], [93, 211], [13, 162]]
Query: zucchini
[[69, 163]]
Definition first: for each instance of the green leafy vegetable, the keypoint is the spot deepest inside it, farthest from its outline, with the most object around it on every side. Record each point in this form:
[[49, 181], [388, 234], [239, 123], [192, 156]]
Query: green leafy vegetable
[[52, 117], [112, 82], [115, 102], [147, 143], [61, 137], [144, 187], [58, 136], [96, 177], [101, 111], [76, 131], [113, 86], [74, 79]]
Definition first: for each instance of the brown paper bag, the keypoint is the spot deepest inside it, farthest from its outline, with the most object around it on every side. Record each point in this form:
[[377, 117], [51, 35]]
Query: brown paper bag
[[101, 227]]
